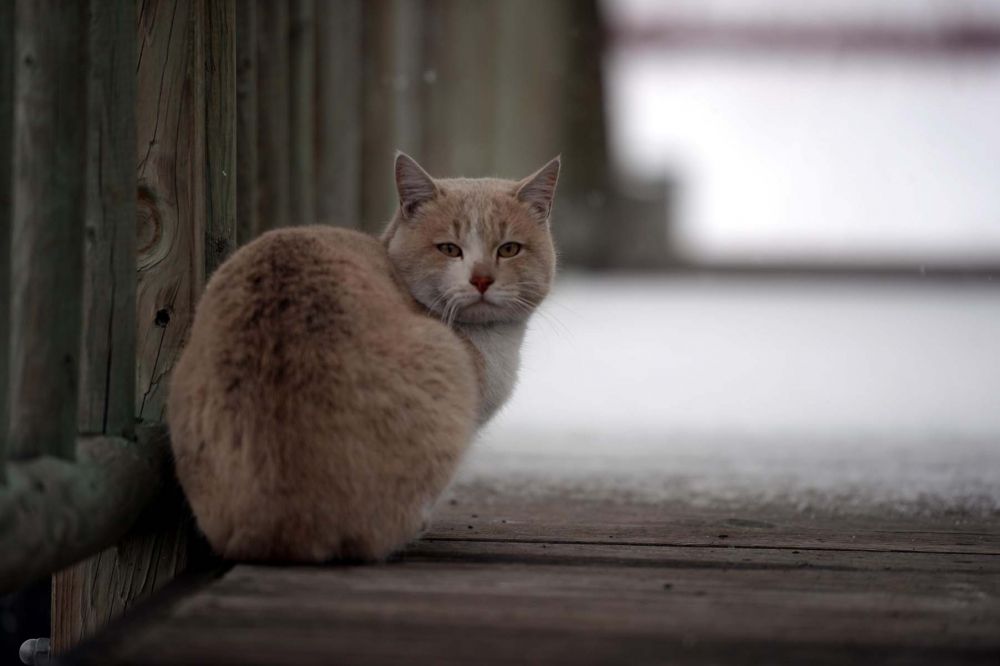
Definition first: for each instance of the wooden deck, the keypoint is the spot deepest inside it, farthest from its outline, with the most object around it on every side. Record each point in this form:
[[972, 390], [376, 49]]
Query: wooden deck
[[568, 581]]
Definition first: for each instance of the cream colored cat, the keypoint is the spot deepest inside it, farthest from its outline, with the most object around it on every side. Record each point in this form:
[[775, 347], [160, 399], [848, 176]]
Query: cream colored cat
[[322, 402]]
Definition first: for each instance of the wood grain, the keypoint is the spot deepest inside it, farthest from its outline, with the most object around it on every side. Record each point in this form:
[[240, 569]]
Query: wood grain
[[339, 125], [6, 134], [220, 137], [172, 181], [549, 592], [247, 224], [107, 360], [56, 512], [273, 135], [302, 84], [49, 165]]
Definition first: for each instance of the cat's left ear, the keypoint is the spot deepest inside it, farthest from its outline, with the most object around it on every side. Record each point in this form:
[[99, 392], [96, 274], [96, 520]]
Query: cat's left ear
[[538, 189], [414, 185]]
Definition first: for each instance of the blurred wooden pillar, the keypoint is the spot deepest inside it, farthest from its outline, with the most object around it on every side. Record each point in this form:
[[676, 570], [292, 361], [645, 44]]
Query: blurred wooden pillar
[[50, 123], [460, 87], [247, 223], [273, 136], [393, 100], [6, 134], [338, 119], [302, 77]]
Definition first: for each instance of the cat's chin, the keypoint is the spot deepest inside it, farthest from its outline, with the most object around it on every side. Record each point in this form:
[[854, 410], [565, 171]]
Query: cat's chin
[[484, 312]]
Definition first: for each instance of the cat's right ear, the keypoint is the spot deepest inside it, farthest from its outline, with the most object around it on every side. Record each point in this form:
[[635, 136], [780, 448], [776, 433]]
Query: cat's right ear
[[414, 185]]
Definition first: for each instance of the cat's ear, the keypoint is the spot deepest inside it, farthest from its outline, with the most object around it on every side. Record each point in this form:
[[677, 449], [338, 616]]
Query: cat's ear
[[414, 185], [538, 189]]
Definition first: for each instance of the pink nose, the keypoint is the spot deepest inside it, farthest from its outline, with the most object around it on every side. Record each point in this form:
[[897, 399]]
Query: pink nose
[[482, 283]]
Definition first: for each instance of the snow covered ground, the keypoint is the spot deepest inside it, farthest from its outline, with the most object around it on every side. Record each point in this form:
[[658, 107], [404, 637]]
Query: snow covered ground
[[705, 389]]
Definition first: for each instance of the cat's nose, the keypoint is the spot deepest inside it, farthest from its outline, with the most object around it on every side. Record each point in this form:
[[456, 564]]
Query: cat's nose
[[482, 283]]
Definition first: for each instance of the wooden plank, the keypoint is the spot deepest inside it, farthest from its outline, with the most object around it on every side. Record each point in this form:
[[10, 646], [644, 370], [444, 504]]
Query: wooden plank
[[55, 512], [107, 361], [302, 84], [220, 136], [273, 136], [577, 606], [172, 181], [565, 520], [247, 223], [339, 126], [393, 100], [49, 167], [6, 134]]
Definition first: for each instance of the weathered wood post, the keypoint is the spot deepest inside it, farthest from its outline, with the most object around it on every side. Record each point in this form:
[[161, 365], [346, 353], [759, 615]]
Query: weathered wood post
[[183, 111], [460, 87], [47, 268], [393, 105], [220, 146], [338, 112], [107, 363], [272, 115], [6, 133], [247, 224], [302, 77]]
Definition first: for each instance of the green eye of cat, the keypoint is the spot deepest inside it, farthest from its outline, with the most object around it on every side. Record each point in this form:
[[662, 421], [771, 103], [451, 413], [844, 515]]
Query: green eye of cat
[[450, 250], [508, 250]]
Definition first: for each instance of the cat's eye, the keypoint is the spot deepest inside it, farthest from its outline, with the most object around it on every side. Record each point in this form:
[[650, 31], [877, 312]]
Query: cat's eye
[[508, 250], [450, 250]]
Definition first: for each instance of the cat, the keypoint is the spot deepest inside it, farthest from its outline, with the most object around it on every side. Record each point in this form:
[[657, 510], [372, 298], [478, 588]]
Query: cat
[[332, 382]]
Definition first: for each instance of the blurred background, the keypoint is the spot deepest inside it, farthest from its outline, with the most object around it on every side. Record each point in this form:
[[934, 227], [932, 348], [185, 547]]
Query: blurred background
[[780, 233]]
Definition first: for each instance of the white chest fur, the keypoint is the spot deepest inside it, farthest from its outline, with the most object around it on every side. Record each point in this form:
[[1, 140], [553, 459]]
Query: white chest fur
[[500, 346]]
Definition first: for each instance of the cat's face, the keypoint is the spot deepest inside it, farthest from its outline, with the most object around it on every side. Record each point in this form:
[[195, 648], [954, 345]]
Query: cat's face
[[474, 251]]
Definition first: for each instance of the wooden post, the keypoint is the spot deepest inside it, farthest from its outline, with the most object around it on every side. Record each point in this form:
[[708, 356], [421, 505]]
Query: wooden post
[[272, 114], [6, 132], [338, 112], [302, 75], [107, 361], [186, 171], [49, 160], [247, 224], [220, 141], [394, 74], [171, 175], [460, 85]]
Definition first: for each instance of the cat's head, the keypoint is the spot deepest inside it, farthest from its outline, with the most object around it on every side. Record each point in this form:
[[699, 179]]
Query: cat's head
[[477, 250]]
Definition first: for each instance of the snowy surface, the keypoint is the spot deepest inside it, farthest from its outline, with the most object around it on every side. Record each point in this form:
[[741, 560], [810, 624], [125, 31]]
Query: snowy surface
[[718, 389]]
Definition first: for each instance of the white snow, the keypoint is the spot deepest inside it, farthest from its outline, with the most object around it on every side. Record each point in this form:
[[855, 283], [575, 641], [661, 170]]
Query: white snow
[[712, 389]]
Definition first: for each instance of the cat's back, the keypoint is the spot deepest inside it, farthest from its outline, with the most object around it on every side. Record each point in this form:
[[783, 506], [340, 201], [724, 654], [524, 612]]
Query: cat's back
[[315, 398]]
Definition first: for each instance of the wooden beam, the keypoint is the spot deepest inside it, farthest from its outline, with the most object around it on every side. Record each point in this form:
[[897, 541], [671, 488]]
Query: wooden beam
[[272, 115], [49, 166], [339, 125], [107, 362], [172, 181], [247, 224], [302, 77], [6, 133], [55, 512], [220, 137]]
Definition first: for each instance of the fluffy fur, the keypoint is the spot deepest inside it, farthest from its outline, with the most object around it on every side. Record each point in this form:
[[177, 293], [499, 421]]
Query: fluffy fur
[[317, 411], [478, 216]]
